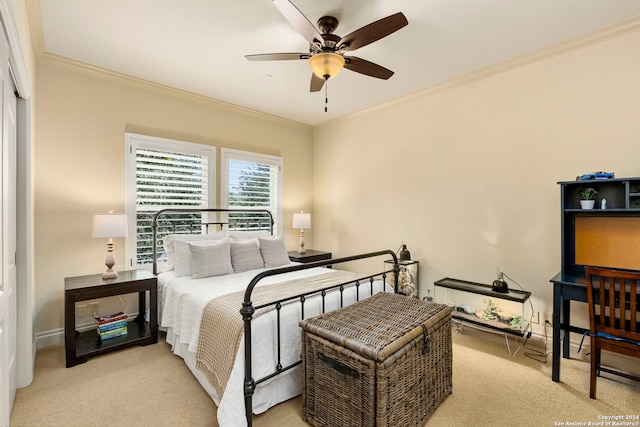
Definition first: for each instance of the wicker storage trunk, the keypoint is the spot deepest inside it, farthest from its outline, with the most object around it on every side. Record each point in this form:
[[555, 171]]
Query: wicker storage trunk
[[384, 361]]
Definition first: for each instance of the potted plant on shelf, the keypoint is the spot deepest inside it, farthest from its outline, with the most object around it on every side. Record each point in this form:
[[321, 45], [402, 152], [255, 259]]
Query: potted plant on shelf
[[588, 197]]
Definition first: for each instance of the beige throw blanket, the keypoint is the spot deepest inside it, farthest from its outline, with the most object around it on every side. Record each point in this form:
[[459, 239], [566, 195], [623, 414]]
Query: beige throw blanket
[[221, 327]]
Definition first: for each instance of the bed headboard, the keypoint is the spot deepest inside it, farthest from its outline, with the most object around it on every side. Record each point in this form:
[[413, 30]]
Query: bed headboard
[[201, 221]]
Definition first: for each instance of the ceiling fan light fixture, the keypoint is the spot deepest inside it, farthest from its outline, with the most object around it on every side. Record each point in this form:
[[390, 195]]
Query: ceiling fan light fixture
[[326, 64]]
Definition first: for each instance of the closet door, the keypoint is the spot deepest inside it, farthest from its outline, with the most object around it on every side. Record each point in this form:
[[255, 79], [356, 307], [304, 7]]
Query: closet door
[[8, 304]]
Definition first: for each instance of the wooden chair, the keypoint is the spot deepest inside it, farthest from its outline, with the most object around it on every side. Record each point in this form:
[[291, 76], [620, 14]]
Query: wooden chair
[[614, 316]]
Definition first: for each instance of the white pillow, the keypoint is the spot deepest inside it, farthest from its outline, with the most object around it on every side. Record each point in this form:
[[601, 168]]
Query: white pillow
[[245, 255], [239, 235], [273, 251], [169, 245], [210, 258], [183, 256]]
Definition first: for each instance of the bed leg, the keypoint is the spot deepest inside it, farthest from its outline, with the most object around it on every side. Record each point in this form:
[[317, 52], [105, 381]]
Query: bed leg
[[247, 311], [249, 387]]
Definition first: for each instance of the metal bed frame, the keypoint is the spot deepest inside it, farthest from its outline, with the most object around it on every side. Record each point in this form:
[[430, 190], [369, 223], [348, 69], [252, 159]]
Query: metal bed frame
[[248, 309]]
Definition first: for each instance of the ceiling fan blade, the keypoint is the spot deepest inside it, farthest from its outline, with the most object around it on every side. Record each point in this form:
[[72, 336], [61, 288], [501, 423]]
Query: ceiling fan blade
[[299, 21], [316, 83], [367, 68], [277, 56], [374, 31]]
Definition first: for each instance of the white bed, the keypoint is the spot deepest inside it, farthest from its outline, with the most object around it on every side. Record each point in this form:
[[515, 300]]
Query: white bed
[[182, 301]]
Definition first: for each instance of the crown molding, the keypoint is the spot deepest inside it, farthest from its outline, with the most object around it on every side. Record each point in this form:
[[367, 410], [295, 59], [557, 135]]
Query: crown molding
[[16, 55], [70, 64], [572, 45]]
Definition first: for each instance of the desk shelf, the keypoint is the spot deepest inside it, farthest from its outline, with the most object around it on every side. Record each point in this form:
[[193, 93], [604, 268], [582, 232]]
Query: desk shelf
[[630, 211], [583, 229]]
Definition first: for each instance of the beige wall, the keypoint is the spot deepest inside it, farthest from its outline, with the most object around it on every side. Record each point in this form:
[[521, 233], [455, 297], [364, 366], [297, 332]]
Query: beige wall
[[79, 163], [465, 173]]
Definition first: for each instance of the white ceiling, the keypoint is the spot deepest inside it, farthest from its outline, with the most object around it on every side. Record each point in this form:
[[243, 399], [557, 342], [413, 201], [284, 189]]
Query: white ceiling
[[199, 45]]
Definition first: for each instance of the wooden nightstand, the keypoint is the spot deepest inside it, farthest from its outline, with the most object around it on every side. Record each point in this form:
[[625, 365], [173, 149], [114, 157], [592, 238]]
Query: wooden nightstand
[[309, 256], [80, 346]]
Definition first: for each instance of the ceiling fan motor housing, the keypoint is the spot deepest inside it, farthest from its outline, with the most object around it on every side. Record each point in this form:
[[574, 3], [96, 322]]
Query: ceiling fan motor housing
[[327, 25]]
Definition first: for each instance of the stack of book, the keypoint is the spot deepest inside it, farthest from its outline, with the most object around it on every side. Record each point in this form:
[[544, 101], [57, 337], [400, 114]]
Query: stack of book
[[112, 325]]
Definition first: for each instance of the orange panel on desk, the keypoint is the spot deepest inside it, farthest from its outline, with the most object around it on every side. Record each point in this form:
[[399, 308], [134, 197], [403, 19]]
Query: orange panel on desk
[[608, 242]]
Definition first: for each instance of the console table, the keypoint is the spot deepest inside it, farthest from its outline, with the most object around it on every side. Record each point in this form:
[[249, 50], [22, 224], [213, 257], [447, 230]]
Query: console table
[[467, 296]]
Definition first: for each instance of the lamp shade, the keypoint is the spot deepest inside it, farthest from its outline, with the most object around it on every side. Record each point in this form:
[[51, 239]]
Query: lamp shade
[[326, 64], [301, 220], [110, 225]]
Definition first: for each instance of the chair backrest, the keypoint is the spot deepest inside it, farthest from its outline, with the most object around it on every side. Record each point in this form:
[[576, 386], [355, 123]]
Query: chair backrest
[[613, 300]]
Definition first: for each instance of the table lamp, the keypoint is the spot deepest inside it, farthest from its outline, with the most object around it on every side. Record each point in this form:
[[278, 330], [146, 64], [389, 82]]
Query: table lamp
[[301, 220], [110, 225]]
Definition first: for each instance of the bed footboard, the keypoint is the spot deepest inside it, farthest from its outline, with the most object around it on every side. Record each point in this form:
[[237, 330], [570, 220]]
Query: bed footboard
[[248, 310]]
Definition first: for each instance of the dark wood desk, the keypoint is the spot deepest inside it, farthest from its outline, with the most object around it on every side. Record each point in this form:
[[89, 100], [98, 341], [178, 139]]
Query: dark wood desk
[[583, 232], [567, 287]]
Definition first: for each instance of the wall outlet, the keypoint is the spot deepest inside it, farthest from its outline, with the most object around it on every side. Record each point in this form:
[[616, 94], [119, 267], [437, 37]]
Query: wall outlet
[[548, 319], [94, 308], [82, 310]]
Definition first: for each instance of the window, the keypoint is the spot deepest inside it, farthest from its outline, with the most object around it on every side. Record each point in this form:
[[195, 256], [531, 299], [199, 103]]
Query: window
[[160, 174], [252, 180]]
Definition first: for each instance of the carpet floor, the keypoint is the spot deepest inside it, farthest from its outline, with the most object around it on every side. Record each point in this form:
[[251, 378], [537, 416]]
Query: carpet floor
[[150, 386]]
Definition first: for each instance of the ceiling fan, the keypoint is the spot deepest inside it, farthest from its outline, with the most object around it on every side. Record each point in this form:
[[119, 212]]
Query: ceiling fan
[[326, 50]]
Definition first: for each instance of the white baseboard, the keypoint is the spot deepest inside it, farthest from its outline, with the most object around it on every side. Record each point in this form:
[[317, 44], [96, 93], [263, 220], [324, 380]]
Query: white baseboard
[[49, 338]]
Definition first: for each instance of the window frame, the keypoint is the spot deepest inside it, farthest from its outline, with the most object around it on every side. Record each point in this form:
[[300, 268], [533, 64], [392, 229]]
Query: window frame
[[227, 154], [132, 143]]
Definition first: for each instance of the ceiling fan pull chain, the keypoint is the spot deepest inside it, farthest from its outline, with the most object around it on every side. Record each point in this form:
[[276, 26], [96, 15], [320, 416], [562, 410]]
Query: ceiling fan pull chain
[[326, 96]]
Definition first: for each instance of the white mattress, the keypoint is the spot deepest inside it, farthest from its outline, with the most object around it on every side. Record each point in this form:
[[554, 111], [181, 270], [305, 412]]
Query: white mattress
[[181, 303]]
